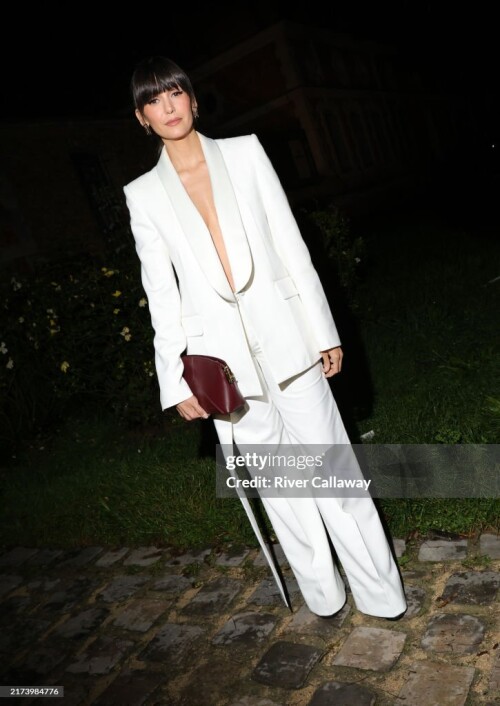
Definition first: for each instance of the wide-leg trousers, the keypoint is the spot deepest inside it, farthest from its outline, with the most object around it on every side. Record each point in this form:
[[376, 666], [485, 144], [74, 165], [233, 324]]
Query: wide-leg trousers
[[303, 411]]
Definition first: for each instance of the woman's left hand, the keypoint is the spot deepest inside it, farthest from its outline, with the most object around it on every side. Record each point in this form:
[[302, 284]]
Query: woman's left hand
[[332, 361]]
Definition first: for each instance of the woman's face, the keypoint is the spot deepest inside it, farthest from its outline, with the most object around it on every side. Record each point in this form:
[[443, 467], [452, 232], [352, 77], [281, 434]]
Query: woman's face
[[169, 114]]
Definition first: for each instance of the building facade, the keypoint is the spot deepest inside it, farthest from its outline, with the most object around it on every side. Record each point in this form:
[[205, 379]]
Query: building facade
[[340, 117], [342, 120]]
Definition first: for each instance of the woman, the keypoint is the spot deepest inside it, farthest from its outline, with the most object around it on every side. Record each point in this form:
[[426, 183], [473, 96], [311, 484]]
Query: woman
[[227, 273]]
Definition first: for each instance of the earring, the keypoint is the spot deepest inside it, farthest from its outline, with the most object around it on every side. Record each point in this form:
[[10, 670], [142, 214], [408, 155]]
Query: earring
[[196, 115], [147, 129]]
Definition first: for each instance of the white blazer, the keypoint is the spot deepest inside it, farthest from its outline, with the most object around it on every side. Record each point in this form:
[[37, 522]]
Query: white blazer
[[192, 306]]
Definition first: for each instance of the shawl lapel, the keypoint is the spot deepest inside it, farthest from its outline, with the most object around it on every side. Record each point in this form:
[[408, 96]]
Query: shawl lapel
[[193, 225]]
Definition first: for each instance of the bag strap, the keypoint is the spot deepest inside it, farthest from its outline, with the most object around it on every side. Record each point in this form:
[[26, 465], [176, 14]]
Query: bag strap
[[225, 434]]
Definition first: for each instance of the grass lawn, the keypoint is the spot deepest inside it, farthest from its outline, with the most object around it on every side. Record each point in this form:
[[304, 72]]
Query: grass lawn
[[421, 346]]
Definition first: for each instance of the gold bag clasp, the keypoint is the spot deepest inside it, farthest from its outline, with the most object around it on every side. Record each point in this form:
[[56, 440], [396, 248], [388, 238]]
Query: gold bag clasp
[[228, 373]]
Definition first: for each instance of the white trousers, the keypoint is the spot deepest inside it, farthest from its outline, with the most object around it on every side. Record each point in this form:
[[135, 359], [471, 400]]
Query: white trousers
[[303, 411]]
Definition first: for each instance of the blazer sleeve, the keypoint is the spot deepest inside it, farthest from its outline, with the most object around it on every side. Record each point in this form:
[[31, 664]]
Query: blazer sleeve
[[160, 285], [293, 250]]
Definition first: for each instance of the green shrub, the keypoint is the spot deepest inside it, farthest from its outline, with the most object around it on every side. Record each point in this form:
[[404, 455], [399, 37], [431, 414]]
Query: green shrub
[[76, 333], [344, 251]]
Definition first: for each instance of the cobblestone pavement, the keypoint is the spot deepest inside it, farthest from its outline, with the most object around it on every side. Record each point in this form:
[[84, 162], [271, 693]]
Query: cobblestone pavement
[[133, 626]]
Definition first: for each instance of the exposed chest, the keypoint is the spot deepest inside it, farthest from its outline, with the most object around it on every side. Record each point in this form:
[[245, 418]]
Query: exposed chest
[[199, 189]]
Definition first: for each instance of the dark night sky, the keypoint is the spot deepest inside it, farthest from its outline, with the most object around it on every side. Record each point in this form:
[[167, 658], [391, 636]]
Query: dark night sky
[[80, 66]]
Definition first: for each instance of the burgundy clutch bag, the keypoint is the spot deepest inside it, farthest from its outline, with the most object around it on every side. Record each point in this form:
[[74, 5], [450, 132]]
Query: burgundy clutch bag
[[213, 383]]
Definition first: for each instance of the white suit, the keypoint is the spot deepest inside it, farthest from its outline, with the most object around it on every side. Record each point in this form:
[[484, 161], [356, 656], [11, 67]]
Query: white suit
[[270, 331]]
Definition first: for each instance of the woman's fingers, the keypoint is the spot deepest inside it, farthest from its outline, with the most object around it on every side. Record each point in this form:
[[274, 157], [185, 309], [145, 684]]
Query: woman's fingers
[[332, 361], [190, 409]]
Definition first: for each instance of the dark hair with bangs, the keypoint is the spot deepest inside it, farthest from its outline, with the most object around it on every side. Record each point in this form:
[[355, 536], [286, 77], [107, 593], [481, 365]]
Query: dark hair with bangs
[[157, 74]]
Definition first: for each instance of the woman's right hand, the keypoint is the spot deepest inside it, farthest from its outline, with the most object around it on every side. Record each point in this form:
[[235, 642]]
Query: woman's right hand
[[190, 409]]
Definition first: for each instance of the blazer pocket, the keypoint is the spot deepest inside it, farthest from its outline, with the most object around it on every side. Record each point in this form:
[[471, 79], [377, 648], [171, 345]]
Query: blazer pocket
[[286, 287], [192, 325]]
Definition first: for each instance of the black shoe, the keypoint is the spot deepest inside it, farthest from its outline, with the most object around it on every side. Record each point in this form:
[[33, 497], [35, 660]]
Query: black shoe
[[397, 617]]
